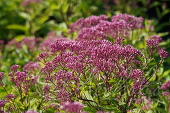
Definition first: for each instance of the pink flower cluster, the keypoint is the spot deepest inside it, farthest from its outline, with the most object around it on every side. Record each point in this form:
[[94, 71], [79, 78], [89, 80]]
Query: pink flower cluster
[[166, 94], [98, 27], [68, 63], [62, 80], [100, 56], [2, 103], [22, 79], [29, 42], [31, 67], [10, 96], [166, 85], [163, 53], [31, 111], [46, 89], [46, 44], [145, 102], [131, 21], [1, 42], [14, 67], [1, 75], [73, 107], [153, 42]]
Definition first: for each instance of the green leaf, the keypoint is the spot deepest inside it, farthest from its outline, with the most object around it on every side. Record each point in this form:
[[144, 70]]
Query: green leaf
[[88, 95], [90, 110], [65, 7], [163, 34], [42, 19], [112, 80], [19, 37], [25, 15], [160, 26], [107, 94], [17, 27], [166, 73], [137, 105], [154, 4], [161, 110], [50, 110], [115, 109]]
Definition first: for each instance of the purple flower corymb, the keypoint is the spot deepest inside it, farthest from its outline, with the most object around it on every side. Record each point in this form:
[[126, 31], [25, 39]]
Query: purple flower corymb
[[154, 40], [98, 27], [2, 103], [10, 96], [166, 85], [75, 107], [31, 66], [14, 67], [163, 53], [1, 75]]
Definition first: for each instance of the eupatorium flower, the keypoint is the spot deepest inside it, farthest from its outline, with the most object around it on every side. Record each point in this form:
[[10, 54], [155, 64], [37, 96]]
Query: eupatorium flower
[[72, 107], [31, 66], [166, 94], [98, 27], [154, 40], [22, 79], [131, 21], [166, 85], [46, 89], [31, 111], [163, 53], [14, 67], [10, 96], [2, 103], [1, 75]]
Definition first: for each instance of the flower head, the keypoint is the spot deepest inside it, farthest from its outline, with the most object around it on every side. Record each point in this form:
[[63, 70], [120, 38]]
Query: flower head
[[31, 111], [14, 67], [2, 103], [72, 107], [1, 75], [10, 96], [166, 85], [154, 40], [163, 53]]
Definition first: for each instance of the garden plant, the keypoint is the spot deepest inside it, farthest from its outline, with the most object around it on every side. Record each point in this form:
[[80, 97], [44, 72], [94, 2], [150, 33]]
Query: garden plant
[[105, 65]]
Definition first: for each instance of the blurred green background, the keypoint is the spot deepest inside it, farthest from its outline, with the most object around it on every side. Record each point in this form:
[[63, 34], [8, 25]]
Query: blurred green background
[[19, 18]]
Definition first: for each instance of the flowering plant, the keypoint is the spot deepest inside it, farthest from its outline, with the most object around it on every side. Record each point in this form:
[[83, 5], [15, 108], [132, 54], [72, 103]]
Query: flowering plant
[[103, 69]]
